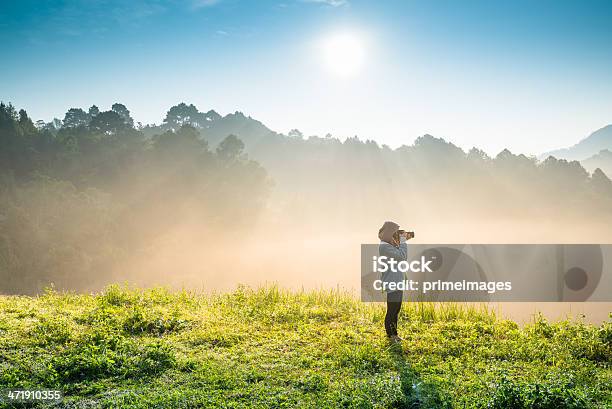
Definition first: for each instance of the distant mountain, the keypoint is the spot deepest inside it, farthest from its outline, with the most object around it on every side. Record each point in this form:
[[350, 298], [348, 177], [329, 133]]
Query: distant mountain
[[586, 148], [602, 160]]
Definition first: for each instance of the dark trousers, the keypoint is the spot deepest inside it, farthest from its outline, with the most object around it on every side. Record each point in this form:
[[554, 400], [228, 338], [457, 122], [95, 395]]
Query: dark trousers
[[394, 305]]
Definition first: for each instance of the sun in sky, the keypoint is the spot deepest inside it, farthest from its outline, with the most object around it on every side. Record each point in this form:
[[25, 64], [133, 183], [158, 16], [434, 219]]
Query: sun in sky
[[489, 74], [343, 53]]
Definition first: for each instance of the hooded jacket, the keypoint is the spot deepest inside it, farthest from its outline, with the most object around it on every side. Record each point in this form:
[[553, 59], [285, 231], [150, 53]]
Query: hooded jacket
[[388, 249], [386, 232]]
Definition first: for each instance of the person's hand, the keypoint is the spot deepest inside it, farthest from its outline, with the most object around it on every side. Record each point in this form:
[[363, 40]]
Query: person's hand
[[404, 235]]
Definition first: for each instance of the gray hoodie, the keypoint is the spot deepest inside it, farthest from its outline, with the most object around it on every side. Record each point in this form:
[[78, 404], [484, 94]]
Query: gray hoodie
[[387, 248]]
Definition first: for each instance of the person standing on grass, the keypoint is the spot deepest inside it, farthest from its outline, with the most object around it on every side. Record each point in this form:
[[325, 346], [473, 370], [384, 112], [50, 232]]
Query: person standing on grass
[[393, 246]]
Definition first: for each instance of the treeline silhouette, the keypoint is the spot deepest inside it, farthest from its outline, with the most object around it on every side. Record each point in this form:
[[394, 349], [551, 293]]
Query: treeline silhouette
[[82, 197]]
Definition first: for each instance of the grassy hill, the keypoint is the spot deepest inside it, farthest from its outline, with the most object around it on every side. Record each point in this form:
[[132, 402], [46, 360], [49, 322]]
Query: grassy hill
[[272, 348]]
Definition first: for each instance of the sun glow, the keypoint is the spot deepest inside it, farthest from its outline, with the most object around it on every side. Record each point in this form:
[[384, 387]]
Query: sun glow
[[343, 53]]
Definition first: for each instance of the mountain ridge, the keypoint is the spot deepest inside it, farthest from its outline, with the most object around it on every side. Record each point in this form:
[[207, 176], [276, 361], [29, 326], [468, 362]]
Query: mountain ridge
[[597, 141]]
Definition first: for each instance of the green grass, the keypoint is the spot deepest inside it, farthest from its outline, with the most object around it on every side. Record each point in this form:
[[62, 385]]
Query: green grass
[[273, 348]]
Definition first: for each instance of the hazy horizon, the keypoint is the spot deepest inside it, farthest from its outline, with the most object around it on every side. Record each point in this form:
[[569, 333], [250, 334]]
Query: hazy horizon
[[409, 140]]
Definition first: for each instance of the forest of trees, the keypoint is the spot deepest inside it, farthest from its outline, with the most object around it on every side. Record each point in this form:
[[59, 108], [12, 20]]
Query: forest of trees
[[80, 196]]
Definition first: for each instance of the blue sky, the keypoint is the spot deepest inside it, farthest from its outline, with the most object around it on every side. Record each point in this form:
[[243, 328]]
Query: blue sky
[[527, 75]]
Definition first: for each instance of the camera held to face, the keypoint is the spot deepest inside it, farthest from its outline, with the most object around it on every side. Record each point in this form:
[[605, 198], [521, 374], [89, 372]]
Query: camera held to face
[[408, 234]]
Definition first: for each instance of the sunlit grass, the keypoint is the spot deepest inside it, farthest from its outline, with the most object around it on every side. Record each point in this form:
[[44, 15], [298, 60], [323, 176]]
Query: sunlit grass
[[270, 347]]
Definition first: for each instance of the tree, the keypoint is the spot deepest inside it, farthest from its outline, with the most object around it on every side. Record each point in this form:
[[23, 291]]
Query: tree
[[124, 113], [478, 156], [93, 111], [564, 172], [184, 142], [76, 117], [18, 137], [601, 182], [230, 148], [108, 122], [183, 114], [212, 116], [25, 123], [296, 134], [8, 115], [10, 143], [52, 126]]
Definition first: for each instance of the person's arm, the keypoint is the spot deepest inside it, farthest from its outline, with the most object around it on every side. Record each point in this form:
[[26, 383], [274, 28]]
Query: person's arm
[[397, 253], [403, 248]]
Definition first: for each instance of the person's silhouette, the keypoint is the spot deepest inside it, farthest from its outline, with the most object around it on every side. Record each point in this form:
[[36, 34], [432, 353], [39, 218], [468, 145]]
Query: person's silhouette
[[393, 246]]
